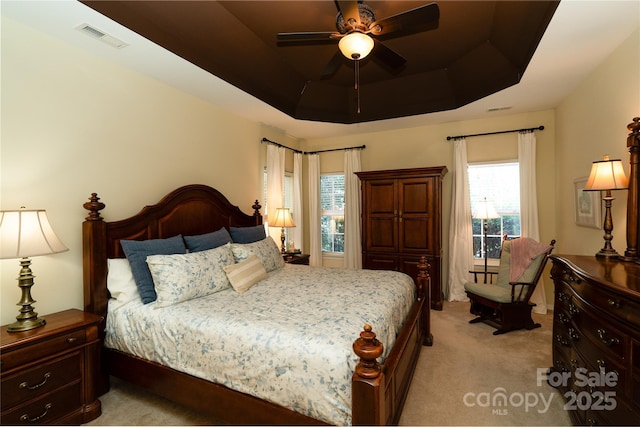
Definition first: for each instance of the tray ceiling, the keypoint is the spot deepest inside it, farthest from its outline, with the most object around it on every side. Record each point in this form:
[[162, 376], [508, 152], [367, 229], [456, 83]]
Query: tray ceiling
[[477, 49]]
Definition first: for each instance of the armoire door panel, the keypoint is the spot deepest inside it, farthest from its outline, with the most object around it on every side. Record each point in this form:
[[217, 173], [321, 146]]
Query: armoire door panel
[[415, 197], [383, 235], [414, 235], [382, 198]]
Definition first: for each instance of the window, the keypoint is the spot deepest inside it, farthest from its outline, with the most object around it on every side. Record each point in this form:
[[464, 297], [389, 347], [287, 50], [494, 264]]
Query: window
[[332, 220], [500, 184]]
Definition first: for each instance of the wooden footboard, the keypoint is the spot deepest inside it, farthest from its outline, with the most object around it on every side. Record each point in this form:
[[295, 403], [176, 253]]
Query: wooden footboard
[[379, 391]]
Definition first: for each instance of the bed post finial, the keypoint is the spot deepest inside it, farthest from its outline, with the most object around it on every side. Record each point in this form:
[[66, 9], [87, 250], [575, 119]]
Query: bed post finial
[[368, 349], [94, 206], [256, 210]]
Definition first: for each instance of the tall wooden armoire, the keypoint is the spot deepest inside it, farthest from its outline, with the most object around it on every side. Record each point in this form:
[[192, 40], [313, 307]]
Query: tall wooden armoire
[[401, 221]]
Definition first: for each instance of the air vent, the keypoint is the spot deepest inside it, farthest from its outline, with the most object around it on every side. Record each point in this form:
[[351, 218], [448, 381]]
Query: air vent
[[101, 35], [494, 109]]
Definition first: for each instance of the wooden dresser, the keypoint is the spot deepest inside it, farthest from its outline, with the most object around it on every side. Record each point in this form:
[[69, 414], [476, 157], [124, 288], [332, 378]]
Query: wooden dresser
[[402, 221], [48, 374], [596, 339]]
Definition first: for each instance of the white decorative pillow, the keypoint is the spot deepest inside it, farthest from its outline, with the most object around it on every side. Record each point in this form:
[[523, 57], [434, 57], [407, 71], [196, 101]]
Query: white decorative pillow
[[266, 250], [245, 274], [182, 277], [120, 282]]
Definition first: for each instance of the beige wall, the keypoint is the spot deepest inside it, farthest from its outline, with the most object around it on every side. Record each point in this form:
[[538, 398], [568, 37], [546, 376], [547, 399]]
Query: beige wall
[[592, 122], [73, 124]]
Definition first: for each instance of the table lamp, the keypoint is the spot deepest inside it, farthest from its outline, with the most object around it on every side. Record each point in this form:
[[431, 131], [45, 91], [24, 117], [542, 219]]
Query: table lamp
[[485, 211], [284, 220], [607, 175], [24, 234]]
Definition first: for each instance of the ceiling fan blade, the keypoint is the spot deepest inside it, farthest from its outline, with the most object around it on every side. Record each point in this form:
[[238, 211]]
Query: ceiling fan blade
[[349, 10], [388, 56], [421, 18], [326, 36], [333, 65]]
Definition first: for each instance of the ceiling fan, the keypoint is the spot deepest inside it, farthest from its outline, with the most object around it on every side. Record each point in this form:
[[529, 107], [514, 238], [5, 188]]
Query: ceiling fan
[[359, 31]]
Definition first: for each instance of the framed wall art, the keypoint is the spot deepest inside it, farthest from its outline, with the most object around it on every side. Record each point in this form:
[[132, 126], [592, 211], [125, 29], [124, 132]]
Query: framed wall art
[[587, 205]]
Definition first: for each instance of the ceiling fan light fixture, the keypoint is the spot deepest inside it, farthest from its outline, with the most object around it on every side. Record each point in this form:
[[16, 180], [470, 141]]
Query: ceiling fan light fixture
[[355, 45]]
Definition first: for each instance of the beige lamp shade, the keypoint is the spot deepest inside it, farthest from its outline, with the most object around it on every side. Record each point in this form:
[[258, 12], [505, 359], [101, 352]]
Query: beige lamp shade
[[27, 233], [485, 210], [355, 45], [607, 174], [283, 219]]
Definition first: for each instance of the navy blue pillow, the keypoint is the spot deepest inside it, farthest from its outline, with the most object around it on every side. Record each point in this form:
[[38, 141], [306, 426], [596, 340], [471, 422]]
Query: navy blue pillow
[[248, 234], [207, 241], [137, 252]]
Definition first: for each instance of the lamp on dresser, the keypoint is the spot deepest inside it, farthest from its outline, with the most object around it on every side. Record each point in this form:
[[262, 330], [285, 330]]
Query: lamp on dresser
[[283, 220], [24, 234], [607, 175]]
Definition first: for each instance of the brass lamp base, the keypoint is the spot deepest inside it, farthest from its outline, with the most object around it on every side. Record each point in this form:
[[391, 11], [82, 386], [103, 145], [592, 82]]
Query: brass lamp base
[[25, 325], [607, 251], [27, 319]]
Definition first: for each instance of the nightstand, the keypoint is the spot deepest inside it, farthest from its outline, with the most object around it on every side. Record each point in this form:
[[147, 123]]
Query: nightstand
[[296, 258], [48, 374]]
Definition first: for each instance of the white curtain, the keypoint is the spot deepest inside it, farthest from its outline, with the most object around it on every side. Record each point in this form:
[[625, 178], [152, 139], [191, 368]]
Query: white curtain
[[275, 185], [529, 204], [460, 232], [352, 209], [296, 233], [315, 238]]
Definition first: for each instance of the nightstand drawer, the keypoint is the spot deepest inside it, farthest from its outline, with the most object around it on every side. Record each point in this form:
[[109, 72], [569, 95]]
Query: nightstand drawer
[[56, 344], [39, 380], [46, 409]]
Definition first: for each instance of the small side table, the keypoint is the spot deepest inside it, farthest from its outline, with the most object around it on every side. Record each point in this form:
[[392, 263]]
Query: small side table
[[479, 269], [49, 373], [296, 258]]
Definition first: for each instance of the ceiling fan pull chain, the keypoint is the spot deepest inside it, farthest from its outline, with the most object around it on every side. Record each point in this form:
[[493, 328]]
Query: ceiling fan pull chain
[[357, 83]]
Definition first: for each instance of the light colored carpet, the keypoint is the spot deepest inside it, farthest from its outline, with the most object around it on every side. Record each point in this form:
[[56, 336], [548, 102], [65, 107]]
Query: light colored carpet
[[458, 381]]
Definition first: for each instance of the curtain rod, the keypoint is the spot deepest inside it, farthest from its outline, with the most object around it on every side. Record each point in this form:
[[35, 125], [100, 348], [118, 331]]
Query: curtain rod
[[495, 133], [360, 147], [283, 146]]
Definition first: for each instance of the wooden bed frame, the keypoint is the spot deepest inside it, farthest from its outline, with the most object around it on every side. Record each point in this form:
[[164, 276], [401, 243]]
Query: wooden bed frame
[[379, 391]]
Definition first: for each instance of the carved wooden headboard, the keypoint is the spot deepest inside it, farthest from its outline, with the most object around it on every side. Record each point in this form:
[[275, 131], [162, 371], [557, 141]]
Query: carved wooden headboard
[[189, 210]]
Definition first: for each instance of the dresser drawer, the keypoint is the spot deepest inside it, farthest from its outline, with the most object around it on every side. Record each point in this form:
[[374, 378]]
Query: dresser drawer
[[609, 302], [40, 379], [607, 338], [22, 356], [46, 409]]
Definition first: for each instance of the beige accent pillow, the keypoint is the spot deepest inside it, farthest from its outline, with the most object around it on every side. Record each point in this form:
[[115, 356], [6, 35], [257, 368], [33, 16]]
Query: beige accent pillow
[[245, 274]]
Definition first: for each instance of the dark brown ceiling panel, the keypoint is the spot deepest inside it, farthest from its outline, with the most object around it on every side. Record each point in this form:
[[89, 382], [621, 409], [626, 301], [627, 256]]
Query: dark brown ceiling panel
[[476, 48]]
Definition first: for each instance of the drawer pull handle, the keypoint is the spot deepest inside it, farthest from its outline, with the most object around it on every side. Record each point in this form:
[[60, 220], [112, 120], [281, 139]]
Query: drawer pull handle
[[33, 387], [561, 340], [573, 334], [563, 318], [573, 310], [607, 341], [71, 340], [613, 303], [25, 417]]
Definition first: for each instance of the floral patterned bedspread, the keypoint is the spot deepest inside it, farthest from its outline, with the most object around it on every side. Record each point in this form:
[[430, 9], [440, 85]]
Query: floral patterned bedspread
[[287, 340]]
